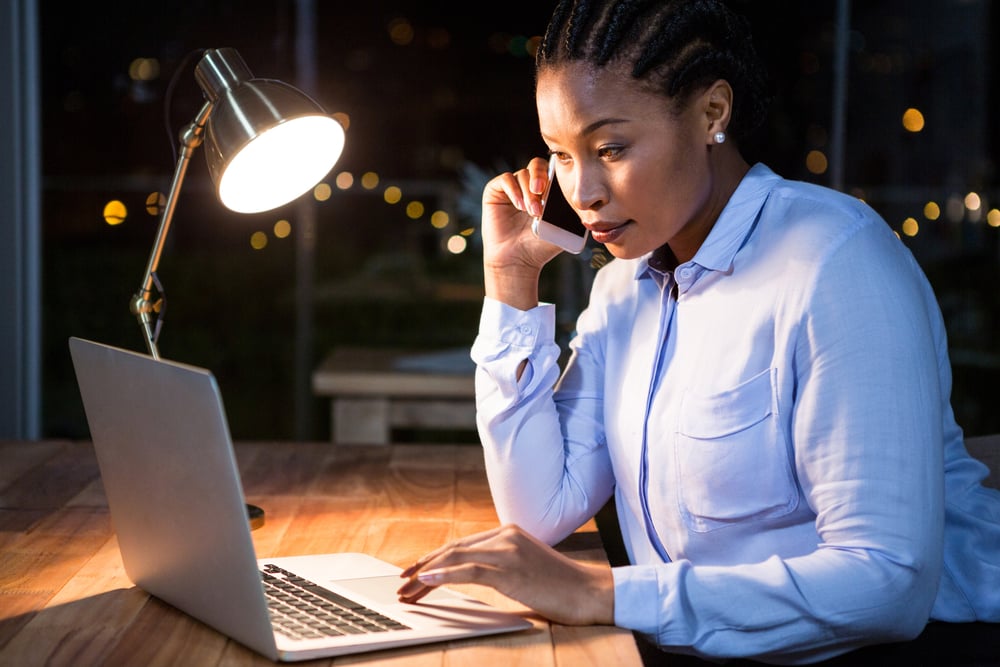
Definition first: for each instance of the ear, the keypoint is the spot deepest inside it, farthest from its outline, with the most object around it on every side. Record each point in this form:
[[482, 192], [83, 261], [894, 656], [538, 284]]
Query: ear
[[717, 102]]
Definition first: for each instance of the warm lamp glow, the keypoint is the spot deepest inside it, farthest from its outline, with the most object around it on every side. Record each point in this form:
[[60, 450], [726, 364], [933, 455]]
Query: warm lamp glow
[[281, 164], [266, 144]]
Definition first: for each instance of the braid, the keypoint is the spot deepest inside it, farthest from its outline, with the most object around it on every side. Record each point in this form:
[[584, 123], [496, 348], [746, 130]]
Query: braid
[[551, 37], [575, 26], [676, 46], [620, 24], [672, 35]]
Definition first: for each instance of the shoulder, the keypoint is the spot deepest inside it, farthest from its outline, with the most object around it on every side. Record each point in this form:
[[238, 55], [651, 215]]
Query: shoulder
[[820, 207], [810, 239], [817, 221]]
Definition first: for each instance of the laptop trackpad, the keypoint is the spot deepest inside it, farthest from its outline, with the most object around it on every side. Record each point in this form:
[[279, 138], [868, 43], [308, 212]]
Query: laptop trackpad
[[382, 590]]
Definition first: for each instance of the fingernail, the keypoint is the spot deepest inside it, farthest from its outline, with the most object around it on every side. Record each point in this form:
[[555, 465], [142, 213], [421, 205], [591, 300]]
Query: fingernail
[[430, 577], [537, 186]]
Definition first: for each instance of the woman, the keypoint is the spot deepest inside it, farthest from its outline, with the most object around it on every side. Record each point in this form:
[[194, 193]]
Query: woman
[[760, 379]]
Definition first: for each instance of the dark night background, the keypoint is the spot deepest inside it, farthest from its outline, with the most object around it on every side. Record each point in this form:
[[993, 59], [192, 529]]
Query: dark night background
[[439, 98]]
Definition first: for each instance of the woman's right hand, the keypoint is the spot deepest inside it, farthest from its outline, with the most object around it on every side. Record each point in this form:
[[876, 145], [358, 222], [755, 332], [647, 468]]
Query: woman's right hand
[[513, 256], [523, 568]]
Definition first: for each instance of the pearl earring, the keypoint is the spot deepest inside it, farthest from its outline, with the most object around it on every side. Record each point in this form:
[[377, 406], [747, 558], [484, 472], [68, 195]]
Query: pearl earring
[[720, 137]]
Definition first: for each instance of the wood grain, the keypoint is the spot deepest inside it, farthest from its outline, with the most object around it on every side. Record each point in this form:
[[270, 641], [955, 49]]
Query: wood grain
[[65, 598]]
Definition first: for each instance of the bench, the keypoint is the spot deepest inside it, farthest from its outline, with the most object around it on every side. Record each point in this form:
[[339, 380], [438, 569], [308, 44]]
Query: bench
[[373, 391]]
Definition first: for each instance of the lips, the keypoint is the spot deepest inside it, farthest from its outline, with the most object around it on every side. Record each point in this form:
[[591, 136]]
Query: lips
[[604, 232]]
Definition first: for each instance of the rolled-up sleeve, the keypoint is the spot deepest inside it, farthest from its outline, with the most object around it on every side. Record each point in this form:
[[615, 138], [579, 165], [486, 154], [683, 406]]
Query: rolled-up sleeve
[[538, 479]]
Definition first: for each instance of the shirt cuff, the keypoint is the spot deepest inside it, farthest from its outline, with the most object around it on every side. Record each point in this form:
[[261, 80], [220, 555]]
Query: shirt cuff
[[519, 328], [507, 336], [503, 328], [637, 598]]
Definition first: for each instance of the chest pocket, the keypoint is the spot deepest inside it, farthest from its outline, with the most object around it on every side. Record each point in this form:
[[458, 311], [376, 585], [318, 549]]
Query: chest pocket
[[731, 459]]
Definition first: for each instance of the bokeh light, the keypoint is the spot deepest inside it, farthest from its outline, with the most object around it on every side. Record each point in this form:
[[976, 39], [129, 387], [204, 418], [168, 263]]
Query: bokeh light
[[144, 69], [115, 212], [401, 31], [440, 219], [344, 180], [155, 202], [932, 211], [954, 208], [322, 191], [816, 162], [414, 210], [913, 120], [392, 195]]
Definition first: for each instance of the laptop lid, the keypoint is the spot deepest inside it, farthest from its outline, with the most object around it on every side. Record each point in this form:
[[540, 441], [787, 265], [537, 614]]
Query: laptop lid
[[162, 444]]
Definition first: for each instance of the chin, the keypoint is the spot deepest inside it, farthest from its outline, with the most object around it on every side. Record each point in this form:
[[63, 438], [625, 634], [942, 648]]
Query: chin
[[625, 251]]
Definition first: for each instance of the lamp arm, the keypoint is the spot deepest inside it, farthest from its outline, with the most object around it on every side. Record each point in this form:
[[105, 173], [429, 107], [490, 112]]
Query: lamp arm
[[142, 305]]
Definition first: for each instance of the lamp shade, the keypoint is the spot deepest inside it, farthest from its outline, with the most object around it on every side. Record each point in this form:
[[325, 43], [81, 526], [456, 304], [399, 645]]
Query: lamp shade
[[266, 142]]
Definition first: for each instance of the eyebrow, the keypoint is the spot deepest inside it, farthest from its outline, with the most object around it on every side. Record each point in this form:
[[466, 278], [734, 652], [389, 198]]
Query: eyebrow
[[598, 124]]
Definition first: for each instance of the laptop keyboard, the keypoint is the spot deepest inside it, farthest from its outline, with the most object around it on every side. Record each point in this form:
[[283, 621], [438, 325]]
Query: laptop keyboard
[[302, 609]]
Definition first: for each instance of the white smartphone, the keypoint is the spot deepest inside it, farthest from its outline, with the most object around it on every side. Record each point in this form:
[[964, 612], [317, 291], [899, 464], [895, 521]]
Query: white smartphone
[[561, 225]]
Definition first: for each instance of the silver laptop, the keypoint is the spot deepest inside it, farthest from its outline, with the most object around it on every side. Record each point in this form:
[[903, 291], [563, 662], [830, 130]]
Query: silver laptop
[[176, 501]]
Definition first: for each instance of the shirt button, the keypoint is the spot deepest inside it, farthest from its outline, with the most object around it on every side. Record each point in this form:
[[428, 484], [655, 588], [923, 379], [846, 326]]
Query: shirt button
[[525, 329], [685, 273]]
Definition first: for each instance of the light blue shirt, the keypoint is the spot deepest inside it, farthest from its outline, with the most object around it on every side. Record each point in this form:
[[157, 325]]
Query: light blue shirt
[[773, 419]]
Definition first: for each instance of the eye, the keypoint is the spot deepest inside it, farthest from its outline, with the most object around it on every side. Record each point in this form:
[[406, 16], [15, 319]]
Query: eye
[[610, 152]]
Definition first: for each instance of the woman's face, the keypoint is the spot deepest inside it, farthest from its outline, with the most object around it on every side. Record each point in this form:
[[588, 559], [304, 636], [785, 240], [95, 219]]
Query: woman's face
[[638, 175]]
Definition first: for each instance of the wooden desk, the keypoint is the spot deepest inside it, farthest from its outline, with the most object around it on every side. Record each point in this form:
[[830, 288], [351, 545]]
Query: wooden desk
[[65, 599]]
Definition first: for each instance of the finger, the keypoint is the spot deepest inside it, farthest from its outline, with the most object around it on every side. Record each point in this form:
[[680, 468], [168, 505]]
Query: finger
[[463, 573], [415, 597], [413, 590], [532, 187], [462, 542], [504, 189], [425, 581], [523, 188], [427, 558], [520, 192], [538, 170]]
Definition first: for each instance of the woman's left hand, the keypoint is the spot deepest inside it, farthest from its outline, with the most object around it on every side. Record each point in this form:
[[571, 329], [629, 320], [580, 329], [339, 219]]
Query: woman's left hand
[[524, 569]]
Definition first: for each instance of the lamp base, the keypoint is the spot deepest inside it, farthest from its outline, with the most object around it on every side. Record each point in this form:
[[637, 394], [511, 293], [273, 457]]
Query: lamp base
[[255, 515]]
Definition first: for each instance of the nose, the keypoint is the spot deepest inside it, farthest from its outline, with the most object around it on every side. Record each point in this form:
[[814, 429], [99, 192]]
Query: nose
[[587, 191]]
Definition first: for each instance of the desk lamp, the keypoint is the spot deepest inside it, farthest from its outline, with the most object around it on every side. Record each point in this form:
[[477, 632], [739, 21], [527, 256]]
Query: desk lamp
[[266, 144]]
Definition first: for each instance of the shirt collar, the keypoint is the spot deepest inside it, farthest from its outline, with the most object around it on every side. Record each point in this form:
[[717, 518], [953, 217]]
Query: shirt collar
[[734, 226]]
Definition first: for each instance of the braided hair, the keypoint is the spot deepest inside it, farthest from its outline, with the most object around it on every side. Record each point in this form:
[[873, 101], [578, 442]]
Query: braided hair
[[676, 47]]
